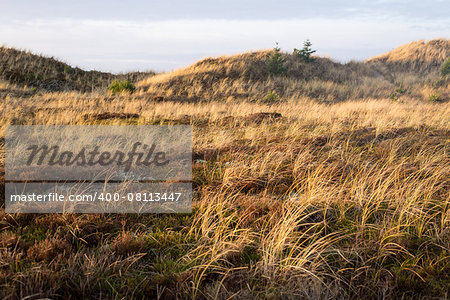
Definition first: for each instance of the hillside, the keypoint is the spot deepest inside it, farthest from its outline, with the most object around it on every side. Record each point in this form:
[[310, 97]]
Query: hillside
[[24, 68], [244, 76], [419, 55]]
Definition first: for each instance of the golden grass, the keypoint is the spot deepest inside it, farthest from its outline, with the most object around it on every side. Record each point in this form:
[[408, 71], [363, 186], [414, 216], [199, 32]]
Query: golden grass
[[328, 201], [244, 77], [430, 52], [25, 68]]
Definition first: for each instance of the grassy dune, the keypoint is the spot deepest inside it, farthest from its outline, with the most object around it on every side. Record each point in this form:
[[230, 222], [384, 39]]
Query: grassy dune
[[244, 77], [299, 198], [49, 74]]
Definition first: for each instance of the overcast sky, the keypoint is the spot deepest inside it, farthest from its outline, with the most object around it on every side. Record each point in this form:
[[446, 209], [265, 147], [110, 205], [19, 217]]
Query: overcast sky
[[163, 35]]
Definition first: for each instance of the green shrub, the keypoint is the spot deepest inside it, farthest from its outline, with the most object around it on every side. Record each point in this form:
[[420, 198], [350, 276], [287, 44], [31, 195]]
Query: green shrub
[[440, 82], [446, 68], [435, 97], [400, 90], [271, 97], [275, 62], [68, 70], [394, 97], [306, 52], [121, 86]]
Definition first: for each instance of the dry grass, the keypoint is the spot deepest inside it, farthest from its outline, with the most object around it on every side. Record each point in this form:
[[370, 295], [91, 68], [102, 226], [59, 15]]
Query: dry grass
[[431, 53], [26, 68], [244, 77], [326, 201]]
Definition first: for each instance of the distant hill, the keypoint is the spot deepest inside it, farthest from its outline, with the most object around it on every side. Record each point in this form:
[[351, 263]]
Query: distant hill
[[418, 55], [415, 66], [244, 76], [26, 68]]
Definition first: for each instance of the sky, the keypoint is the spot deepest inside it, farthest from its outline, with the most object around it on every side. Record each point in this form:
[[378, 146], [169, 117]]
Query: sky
[[131, 35]]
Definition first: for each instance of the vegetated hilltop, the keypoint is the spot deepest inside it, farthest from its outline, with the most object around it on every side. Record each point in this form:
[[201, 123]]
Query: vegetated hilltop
[[420, 55], [245, 76], [24, 68], [412, 69]]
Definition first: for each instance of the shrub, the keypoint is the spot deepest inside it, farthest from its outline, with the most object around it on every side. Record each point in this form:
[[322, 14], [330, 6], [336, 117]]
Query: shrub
[[271, 97], [400, 90], [446, 68], [438, 83], [434, 97], [122, 86], [68, 70], [394, 97], [306, 52], [275, 62]]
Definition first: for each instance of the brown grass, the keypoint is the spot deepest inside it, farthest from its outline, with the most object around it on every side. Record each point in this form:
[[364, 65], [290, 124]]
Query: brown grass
[[25, 68], [244, 77], [430, 53], [48, 250], [326, 201], [127, 243]]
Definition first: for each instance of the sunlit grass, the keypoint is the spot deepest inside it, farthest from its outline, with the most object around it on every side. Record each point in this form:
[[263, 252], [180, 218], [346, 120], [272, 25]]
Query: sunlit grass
[[342, 200]]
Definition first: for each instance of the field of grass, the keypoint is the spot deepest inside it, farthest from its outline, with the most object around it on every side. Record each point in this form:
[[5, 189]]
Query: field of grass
[[328, 182], [308, 200]]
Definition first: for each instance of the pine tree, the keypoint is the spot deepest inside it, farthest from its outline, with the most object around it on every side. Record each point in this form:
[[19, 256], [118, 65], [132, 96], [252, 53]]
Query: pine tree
[[275, 62], [446, 68], [306, 52]]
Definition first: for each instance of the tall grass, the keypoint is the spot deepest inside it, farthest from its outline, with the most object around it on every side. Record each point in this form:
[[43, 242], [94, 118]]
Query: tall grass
[[328, 201]]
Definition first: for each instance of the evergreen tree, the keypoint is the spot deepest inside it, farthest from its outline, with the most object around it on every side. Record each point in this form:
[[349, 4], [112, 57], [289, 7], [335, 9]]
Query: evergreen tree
[[306, 52], [446, 68], [275, 62]]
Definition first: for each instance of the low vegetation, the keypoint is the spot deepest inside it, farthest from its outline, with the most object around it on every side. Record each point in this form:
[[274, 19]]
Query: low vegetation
[[248, 76], [25, 68], [446, 68], [122, 87]]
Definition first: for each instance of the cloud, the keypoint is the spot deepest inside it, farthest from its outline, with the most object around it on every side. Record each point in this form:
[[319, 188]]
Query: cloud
[[119, 45], [154, 10]]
